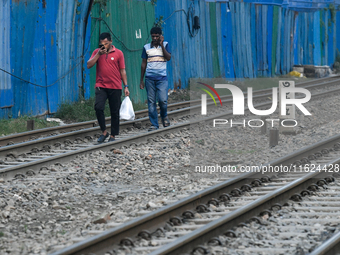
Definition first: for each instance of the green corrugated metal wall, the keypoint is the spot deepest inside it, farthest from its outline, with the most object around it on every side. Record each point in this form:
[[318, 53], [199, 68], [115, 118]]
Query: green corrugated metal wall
[[127, 20]]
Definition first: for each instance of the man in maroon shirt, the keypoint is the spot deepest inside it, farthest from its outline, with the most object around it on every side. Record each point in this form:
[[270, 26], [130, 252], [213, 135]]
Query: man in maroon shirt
[[109, 77]]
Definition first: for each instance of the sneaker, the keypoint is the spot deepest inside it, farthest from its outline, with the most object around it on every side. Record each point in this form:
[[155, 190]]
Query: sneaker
[[152, 128], [112, 139], [166, 122], [102, 138]]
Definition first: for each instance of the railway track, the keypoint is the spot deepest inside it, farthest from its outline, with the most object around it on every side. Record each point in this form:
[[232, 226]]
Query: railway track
[[23, 149], [305, 221], [291, 223], [22, 159], [183, 226], [141, 116], [24, 162]]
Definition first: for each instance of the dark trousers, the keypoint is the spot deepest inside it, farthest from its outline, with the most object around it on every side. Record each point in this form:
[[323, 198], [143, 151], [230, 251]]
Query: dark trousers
[[114, 96]]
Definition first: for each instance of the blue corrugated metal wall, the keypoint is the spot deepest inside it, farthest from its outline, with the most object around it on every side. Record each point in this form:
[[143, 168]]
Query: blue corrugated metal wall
[[87, 55], [316, 40], [45, 40], [6, 92], [296, 5], [189, 55], [253, 40]]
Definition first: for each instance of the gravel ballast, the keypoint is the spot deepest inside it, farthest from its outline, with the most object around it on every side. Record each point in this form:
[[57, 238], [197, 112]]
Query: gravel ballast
[[70, 202]]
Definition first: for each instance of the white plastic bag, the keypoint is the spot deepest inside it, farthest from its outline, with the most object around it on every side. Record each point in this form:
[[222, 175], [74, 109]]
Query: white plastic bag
[[126, 111]]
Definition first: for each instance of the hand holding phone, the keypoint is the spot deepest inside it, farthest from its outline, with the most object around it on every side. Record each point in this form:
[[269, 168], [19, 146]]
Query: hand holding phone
[[102, 49], [161, 39]]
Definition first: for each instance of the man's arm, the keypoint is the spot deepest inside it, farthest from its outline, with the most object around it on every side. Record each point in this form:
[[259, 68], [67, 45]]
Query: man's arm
[[124, 79], [142, 71], [92, 61], [123, 75], [166, 54]]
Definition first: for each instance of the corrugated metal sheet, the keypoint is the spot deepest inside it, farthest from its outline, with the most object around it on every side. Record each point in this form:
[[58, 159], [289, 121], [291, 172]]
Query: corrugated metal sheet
[[311, 5], [331, 40], [240, 39], [6, 90], [129, 17], [214, 39], [296, 5], [87, 54], [191, 56], [65, 40], [251, 40], [27, 59], [130, 23], [43, 42], [46, 41], [315, 40], [337, 36]]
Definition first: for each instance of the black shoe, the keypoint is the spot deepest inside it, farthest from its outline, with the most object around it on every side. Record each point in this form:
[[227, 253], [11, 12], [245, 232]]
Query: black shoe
[[152, 128], [112, 139], [166, 122], [102, 138]]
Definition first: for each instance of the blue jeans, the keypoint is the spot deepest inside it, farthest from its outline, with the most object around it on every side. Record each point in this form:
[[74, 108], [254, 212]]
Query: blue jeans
[[157, 89]]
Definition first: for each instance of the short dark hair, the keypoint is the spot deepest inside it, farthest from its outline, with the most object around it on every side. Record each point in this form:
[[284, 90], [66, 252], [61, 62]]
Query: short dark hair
[[156, 30], [104, 36]]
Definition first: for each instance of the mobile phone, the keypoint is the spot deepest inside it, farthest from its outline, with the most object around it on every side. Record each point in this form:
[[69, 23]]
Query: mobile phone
[[101, 46]]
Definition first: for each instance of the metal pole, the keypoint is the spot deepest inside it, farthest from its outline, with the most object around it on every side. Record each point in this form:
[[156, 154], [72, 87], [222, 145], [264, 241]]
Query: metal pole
[[30, 125], [264, 127], [273, 137]]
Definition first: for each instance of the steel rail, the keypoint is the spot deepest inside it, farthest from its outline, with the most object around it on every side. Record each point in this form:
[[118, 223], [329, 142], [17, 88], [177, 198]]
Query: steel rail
[[99, 243], [329, 247], [24, 136], [110, 239], [29, 135], [11, 172], [186, 243], [25, 147]]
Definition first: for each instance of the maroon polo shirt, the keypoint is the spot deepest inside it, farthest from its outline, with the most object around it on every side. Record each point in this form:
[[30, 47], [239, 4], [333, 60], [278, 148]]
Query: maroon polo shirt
[[108, 69]]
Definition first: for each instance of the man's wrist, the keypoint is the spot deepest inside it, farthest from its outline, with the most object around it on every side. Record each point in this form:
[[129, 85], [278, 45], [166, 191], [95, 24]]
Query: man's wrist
[[126, 86]]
